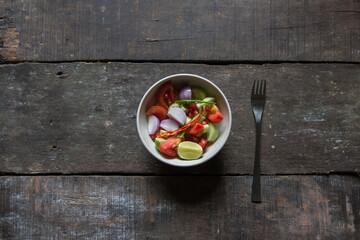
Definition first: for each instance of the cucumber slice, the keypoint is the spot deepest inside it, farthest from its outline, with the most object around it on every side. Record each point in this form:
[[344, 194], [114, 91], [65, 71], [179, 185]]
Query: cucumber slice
[[198, 93], [201, 118], [187, 120], [205, 130], [181, 134], [212, 133], [172, 106], [207, 99], [158, 142], [182, 106]]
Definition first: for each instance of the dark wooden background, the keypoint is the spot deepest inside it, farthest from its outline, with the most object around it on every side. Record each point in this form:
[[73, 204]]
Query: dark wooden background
[[72, 74]]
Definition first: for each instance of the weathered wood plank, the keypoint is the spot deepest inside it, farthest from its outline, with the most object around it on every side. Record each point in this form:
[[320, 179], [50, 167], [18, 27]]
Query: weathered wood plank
[[80, 118], [293, 207], [271, 30]]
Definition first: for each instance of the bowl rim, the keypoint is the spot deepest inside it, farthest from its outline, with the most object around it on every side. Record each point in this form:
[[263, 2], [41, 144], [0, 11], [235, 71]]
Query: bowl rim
[[168, 78]]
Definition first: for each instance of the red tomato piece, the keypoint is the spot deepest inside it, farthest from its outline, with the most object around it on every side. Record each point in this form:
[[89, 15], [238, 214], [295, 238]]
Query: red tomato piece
[[169, 146], [215, 115], [202, 142], [196, 129], [158, 111], [166, 95]]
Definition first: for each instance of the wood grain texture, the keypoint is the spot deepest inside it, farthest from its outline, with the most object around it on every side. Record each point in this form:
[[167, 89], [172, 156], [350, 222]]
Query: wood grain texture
[[80, 118], [271, 30], [293, 207]]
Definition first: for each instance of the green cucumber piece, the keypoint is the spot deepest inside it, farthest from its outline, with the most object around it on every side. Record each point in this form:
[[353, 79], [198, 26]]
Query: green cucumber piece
[[205, 102], [158, 142], [201, 118], [209, 99], [182, 106], [212, 133], [198, 93], [205, 130], [187, 120], [181, 134]]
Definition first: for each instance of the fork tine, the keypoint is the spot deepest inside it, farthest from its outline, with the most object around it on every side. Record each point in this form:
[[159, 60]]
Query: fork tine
[[253, 89], [262, 87], [257, 87]]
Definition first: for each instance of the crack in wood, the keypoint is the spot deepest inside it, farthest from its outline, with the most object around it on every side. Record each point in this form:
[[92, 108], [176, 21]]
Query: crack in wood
[[167, 40]]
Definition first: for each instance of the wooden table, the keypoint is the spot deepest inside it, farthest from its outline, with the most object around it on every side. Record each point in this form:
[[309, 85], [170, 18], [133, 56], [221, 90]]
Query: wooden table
[[73, 73]]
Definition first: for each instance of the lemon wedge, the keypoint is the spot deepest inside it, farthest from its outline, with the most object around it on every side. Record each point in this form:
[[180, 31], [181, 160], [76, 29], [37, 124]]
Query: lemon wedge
[[189, 150]]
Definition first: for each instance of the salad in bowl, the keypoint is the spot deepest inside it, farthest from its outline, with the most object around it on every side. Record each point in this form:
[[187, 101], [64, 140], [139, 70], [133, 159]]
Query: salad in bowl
[[184, 120]]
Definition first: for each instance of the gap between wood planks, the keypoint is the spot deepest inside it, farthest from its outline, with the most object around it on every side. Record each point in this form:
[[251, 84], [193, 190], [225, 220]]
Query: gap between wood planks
[[206, 62], [119, 174]]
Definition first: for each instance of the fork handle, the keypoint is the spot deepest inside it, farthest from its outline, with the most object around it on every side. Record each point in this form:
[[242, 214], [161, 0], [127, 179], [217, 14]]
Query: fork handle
[[256, 187]]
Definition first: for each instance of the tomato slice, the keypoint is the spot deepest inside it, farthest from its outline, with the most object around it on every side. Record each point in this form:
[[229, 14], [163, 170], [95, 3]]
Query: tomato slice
[[215, 115], [169, 146], [166, 95], [196, 129], [158, 111], [202, 142]]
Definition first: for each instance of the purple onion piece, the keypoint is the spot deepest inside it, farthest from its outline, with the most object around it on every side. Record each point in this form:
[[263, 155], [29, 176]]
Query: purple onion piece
[[169, 125], [153, 124], [178, 115], [185, 93]]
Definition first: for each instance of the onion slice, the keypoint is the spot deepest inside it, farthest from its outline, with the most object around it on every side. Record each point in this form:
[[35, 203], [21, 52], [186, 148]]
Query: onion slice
[[185, 93], [169, 125], [177, 114], [153, 124]]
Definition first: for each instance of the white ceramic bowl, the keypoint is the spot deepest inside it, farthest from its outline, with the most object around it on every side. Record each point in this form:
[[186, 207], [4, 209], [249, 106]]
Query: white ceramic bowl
[[179, 80]]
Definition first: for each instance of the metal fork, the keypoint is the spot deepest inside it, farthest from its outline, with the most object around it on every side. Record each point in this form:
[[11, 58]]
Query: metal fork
[[257, 104]]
